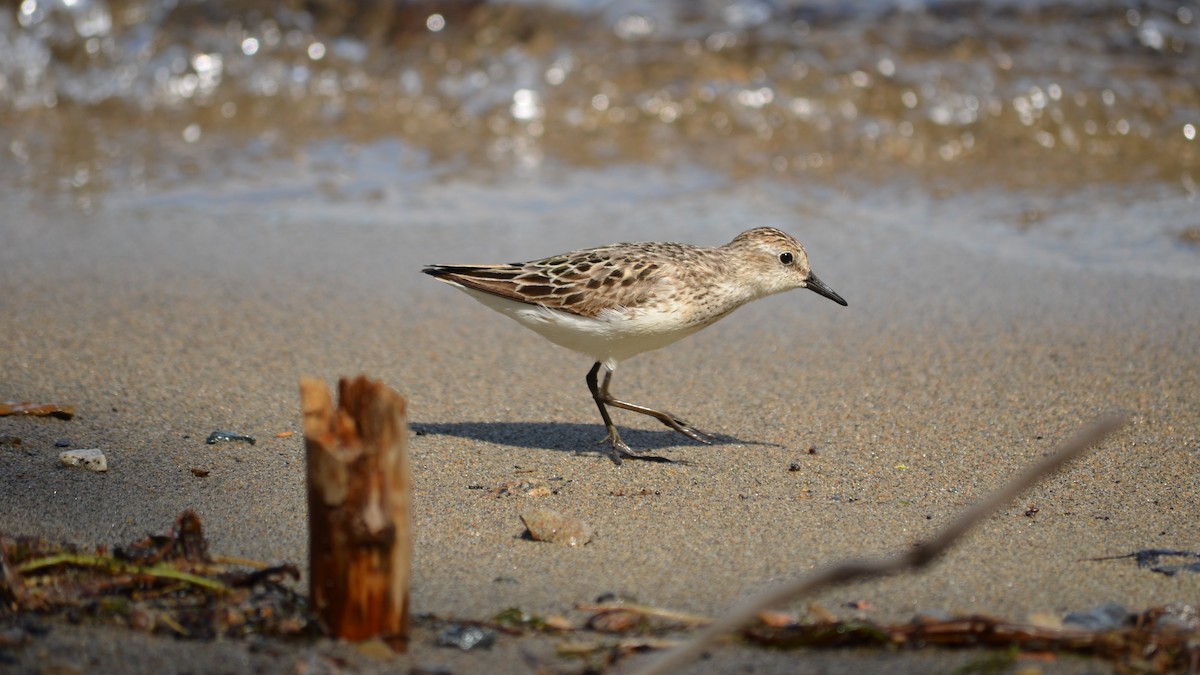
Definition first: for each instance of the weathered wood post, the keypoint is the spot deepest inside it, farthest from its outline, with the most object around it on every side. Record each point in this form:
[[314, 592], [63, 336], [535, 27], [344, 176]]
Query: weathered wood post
[[359, 513]]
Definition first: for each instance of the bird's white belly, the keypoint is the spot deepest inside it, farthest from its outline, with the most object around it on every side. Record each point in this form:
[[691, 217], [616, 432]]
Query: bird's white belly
[[610, 338]]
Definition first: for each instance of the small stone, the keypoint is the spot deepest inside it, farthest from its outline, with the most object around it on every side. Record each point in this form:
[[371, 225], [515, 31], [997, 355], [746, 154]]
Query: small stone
[[375, 649], [1190, 235], [552, 526], [62, 443], [228, 436], [466, 637], [559, 622], [88, 458], [776, 619], [1045, 620], [616, 621], [1105, 617]]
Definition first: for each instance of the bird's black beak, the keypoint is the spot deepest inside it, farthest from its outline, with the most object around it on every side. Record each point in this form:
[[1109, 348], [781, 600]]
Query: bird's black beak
[[817, 286]]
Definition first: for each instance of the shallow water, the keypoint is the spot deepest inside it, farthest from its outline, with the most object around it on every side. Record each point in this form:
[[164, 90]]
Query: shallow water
[[1059, 132]]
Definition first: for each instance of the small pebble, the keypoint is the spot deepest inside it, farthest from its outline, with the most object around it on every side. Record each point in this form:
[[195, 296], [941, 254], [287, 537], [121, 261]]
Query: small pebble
[[552, 526], [62, 443], [226, 436], [616, 621], [777, 619], [89, 458], [1045, 620], [1105, 617], [376, 649], [466, 637]]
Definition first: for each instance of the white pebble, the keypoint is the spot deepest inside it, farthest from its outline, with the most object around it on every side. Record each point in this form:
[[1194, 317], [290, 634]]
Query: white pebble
[[89, 458]]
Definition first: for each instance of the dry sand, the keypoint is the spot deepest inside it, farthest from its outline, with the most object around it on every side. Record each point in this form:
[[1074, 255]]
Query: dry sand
[[161, 320]]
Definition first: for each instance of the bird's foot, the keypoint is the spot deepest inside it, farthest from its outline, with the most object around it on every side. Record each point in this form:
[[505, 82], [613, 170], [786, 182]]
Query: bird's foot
[[687, 429], [618, 449]]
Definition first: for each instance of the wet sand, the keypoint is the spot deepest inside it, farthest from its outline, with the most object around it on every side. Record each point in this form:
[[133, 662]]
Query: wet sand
[[161, 320]]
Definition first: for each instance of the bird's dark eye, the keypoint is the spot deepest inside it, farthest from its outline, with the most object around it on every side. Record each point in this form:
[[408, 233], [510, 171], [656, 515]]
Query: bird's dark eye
[[785, 258]]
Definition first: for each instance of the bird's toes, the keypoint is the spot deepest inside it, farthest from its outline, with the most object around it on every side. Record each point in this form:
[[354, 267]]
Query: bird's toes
[[618, 447], [692, 432]]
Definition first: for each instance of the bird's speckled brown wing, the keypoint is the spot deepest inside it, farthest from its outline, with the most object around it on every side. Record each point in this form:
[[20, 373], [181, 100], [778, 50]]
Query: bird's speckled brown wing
[[585, 283]]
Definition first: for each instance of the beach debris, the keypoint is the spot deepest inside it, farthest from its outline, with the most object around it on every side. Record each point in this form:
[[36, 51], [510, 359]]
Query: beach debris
[[611, 652], [62, 412], [552, 526], [1045, 620], [618, 621], [1152, 641], [200, 473], [1105, 617], [515, 617], [614, 614], [1158, 640], [359, 509], [777, 619], [375, 648], [1155, 560], [528, 487], [88, 458], [632, 492], [285, 434], [162, 584], [517, 621], [1189, 235], [466, 637], [228, 436]]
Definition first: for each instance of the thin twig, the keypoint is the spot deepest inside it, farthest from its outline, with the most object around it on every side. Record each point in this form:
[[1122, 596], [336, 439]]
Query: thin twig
[[111, 565], [647, 610], [918, 557]]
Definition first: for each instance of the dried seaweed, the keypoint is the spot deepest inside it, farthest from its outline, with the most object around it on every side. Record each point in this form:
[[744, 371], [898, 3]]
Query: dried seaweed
[[62, 412], [163, 583], [1154, 641]]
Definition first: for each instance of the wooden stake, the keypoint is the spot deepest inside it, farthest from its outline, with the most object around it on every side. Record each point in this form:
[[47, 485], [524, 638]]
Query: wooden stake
[[360, 548]]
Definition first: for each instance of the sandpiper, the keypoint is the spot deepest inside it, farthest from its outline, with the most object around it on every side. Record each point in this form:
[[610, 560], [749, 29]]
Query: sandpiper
[[617, 301]]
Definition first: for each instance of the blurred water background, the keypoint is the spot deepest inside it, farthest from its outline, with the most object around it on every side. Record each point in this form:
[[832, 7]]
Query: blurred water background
[[1046, 124]]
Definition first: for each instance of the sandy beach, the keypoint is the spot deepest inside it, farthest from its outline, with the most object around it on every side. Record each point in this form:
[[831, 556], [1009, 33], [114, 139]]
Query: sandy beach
[[205, 202], [842, 432]]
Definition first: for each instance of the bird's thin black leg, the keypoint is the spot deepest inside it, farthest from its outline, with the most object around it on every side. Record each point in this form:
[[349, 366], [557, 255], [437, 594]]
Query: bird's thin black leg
[[613, 438], [666, 418]]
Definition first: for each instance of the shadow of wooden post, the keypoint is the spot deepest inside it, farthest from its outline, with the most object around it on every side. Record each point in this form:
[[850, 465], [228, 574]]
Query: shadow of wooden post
[[360, 547]]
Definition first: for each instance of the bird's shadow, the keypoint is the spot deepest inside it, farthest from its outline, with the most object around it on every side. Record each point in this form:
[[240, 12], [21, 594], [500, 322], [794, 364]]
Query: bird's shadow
[[567, 437]]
